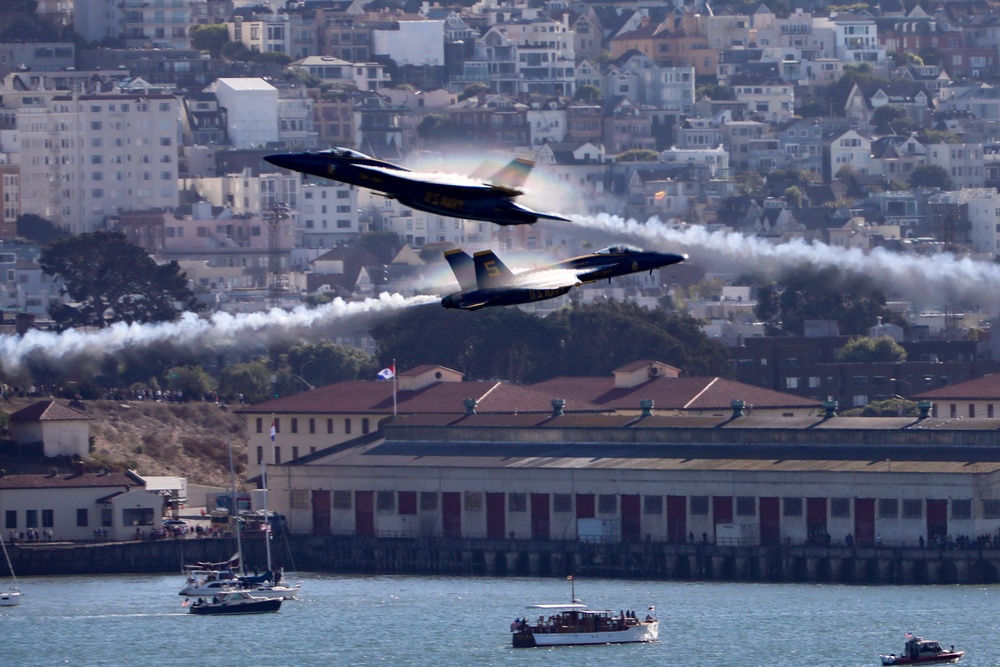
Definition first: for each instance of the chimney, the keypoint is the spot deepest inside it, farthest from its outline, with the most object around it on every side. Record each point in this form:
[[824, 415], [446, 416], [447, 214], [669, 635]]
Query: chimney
[[830, 406], [557, 406], [647, 407], [737, 407], [470, 406], [23, 322]]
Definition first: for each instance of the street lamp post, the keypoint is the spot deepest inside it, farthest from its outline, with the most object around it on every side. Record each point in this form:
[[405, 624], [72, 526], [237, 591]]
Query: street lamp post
[[302, 379]]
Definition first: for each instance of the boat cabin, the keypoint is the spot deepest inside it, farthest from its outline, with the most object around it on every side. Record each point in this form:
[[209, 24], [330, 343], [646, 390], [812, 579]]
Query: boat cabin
[[575, 618], [918, 647]]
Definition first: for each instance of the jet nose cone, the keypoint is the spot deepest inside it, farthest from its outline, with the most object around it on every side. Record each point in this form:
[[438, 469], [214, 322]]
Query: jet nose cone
[[284, 160]]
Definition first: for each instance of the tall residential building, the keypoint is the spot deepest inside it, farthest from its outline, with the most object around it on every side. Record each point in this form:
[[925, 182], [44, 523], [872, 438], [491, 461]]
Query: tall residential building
[[86, 157], [251, 111]]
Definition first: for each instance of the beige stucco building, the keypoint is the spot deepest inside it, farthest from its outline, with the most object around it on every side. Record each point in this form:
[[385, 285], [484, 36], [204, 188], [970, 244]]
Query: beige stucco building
[[62, 430]]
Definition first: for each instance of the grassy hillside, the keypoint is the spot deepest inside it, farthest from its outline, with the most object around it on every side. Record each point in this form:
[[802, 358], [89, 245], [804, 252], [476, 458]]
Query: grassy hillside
[[186, 439]]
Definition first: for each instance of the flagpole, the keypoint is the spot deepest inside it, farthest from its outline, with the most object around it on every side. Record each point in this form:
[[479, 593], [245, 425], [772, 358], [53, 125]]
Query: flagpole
[[393, 367]]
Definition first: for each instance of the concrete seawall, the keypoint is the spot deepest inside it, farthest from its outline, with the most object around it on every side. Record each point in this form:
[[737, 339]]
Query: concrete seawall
[[495, 557]]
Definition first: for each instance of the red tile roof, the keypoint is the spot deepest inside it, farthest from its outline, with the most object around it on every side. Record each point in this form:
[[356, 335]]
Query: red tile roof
[[442, 397], [671, 393], [71, 480], [984, 388], [48, 411]]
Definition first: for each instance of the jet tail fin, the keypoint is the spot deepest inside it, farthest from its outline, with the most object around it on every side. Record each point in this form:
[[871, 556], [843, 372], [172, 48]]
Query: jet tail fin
[[513, 175], [462, 266], [490, 271]]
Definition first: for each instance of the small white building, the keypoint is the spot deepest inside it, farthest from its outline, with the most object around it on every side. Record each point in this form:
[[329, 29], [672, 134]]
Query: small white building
[[71, 506], [62, 430]]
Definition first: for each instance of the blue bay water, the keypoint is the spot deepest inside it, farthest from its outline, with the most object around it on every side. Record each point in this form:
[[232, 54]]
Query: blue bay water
[[403, 620]]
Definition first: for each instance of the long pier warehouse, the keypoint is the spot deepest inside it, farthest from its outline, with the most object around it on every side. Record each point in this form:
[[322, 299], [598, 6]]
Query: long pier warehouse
[[810, 498]]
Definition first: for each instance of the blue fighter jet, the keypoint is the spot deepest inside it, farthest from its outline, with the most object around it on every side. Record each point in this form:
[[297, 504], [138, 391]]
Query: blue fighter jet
[[486, 281], [491, 200]]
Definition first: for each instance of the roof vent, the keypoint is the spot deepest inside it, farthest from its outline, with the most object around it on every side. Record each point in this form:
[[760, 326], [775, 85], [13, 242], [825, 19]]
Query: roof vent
[[830, 406], [557, 406], [647, 407], [470, 406], [737, 407], [925, 409]]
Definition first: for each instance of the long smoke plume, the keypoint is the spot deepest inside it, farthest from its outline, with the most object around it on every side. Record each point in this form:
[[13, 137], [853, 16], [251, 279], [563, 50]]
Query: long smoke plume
[[219, 332], [926, 280]]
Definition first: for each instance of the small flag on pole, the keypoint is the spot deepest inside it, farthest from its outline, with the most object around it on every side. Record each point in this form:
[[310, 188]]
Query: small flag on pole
[[387, 373]]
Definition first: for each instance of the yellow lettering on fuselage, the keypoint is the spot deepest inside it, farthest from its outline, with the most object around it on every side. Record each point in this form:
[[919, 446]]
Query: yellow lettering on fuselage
[[541, 294], [365, 176], [437, 199]]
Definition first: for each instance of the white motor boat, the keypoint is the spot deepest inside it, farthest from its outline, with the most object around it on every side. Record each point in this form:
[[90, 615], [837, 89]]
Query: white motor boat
[[574, 624]]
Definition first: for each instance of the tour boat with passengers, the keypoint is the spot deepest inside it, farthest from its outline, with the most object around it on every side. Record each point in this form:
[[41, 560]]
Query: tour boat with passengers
[[575, 624], [920, 651]]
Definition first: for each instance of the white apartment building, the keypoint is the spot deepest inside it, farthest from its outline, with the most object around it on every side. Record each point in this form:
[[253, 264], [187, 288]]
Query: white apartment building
[[856, 40], [328, 212], [849, 149], [411, 43], [547, 123], [86, 157], [366, 76], [545, 55], [984, 216], [252, 111], [295, 118], [279, 33], [97, 19], [715, 159], [163, 24], [963, 162], [774, 100]]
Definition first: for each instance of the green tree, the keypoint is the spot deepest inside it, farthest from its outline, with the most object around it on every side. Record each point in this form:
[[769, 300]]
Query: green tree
[[793, 195], [252, 380], [236, 51], [580, 341], [325, 363], [749, 183], [890, 407], [474, 89], [192, 381], [810, 293], [870, 350], [209, 38], [36, 228], [714, 91], [931, 176], [272, 57], [439, 127], [892, 118], [588, 93], [812, 110], [108, 279]]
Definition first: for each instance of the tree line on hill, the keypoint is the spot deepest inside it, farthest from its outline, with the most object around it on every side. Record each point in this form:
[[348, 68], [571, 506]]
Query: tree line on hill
[[109, 279]]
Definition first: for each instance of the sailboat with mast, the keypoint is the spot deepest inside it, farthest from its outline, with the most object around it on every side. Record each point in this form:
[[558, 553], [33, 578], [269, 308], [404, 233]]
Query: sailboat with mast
[[222, 580], [269, 584], [12, 596]]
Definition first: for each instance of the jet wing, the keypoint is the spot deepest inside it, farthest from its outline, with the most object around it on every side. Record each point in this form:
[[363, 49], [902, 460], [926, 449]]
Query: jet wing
[[452, 185]]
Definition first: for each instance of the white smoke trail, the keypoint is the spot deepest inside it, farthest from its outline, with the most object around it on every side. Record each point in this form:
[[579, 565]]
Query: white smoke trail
[[219, 331], [928, 280]]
